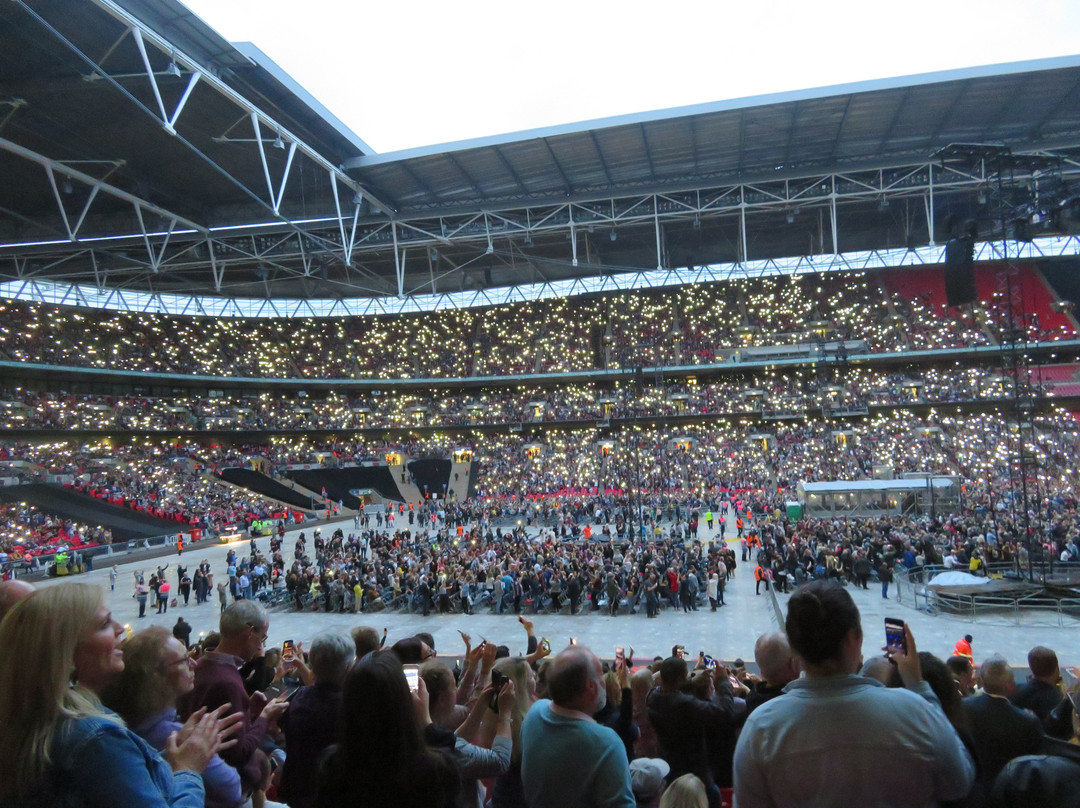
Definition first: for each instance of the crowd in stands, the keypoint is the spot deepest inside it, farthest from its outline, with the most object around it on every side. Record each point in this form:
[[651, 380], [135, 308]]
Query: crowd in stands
[[160, 480], [770, 393], [518, 476], [25, 529], [364, 718], [689, 325]]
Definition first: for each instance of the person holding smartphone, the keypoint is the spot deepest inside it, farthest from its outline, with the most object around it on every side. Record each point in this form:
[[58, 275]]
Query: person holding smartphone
[[310, 725], [243, 626], [896, 744], [685, 725]]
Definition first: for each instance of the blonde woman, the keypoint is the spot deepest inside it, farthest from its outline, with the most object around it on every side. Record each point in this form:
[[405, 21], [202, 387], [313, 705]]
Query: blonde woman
[[685, 792], [157, 672], [646, 745], [59, 745], [508, 791]]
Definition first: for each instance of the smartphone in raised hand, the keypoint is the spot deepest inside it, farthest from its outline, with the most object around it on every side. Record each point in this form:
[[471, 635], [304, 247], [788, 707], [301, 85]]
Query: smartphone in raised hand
[[498, 682], [412, 676], [895, 639]]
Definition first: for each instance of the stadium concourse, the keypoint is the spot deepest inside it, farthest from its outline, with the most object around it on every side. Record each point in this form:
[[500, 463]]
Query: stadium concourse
[[728, 633]]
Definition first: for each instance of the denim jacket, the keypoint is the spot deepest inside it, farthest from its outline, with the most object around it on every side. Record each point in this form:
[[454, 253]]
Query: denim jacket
[[100, 763], [221, 781]]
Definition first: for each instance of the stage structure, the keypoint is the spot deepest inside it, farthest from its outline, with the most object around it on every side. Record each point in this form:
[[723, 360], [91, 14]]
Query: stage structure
[[860, 499]]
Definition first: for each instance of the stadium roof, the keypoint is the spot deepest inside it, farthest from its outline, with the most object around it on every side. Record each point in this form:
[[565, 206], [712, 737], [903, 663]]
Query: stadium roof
[[143, 153], [1027, 105]]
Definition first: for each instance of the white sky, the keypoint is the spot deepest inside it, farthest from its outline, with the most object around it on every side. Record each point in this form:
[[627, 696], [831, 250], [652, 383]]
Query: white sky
[[414, 72]]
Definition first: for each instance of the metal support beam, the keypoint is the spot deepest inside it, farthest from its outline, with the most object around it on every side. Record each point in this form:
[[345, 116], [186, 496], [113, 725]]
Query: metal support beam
[[832, 219], [55, 167], [656, 225], [399, 266], [930, 207], [744, 248]]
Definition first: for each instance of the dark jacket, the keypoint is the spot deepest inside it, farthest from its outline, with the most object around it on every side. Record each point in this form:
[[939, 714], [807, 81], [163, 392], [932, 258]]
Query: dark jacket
[[1038, 696], [310, 725], [684, 726], [1001, 732], [217, 682]]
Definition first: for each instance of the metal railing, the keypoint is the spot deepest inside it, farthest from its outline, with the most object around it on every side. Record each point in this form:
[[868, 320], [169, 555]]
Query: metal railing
[[108, 553], [1019, 608]]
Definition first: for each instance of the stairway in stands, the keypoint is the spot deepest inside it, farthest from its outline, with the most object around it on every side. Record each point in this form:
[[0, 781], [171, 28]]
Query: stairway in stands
[[458, 486], [409, 491]]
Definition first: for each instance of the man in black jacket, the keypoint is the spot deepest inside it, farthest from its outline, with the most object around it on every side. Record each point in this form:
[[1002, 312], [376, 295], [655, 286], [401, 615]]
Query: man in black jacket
[[182, 632], [1041, 693], [1000, 731], [683, 723]]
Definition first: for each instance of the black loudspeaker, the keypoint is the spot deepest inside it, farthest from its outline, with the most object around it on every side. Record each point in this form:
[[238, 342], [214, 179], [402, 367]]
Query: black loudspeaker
[[960, 271]]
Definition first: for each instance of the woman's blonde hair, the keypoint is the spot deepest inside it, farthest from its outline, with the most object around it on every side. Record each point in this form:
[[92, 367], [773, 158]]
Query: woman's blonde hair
[[38, 691], [641, 682], [685, 792], [613, 688], [143, 689], [517, 669]]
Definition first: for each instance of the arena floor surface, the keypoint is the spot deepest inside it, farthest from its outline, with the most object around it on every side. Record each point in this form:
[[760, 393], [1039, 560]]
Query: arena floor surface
[[728, 633]]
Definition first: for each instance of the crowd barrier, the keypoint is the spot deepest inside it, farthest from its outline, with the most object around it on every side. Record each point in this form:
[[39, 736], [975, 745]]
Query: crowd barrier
[[1020, 608]]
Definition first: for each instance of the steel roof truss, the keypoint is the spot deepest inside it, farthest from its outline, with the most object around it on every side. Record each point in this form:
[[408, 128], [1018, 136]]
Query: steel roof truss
[[275, 195], [470, 220], [677, 203], [167, 120], [539, 223], [16, 104], [155, 256], [73, 232], [417, 229], [719, 200], [347, 243], [114, 10], [54, 167]]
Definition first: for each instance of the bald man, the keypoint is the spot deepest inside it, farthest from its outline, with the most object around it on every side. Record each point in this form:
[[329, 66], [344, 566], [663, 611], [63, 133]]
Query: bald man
[[568, 760], [11, 592], [999, 730], [778, 666]]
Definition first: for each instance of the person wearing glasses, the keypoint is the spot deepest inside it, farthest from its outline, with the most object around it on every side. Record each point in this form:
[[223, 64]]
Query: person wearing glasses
[[59, 744], [243, 628], [157, 672]]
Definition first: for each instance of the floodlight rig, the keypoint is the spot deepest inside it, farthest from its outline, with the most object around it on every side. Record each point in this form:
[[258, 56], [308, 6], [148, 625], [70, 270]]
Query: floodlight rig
[[997, 160]]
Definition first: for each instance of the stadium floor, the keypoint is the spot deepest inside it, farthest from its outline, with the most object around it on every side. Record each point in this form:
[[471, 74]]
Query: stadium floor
[[728, 633]]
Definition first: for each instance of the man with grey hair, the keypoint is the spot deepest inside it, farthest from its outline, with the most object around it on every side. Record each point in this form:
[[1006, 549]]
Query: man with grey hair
[[1000, 731], [243, 628], [568, 760], [311, 724]]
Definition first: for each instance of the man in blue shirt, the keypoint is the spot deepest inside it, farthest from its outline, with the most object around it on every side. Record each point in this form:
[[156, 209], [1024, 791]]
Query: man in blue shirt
[[568, 760]]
